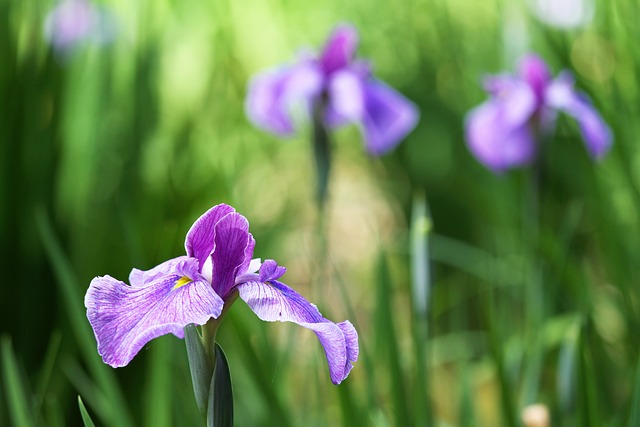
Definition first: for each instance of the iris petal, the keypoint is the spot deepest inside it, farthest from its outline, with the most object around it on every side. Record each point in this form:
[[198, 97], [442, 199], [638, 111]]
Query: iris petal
[[232, 253], [125, 318], [496, 142], [199, 241], [388, 117], [339, 49], [275, 94], [595, 132], [275, 301]]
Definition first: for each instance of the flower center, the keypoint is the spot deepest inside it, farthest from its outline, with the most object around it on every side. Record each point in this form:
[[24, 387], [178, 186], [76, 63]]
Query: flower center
[[184, 280]]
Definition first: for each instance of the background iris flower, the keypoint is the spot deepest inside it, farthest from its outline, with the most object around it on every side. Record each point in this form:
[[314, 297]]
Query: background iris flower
[[335, 88], [73, 22], [199, 288], [505, 131]]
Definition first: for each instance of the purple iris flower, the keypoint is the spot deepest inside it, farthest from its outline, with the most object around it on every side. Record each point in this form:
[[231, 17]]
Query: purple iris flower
[[343, 90], [200, 287], [72, 22], [505, 131]]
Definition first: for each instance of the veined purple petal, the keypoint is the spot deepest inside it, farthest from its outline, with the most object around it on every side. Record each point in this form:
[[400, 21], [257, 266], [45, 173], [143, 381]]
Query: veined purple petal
[[346, 98], [273, 301], [233, 251], [274, 94], [388, 117], [125, 318], [534, 71], [339, 49], [495, 142], [183, 266], [270, 270], [595, 132], [199, 241]]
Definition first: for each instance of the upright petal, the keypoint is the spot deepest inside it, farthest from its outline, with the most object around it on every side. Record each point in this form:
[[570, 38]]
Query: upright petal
[[274, 94], [595, 132], [125, 318], [233, 251], [388, 117], [496, 142], [273, 301], [339, 49], [534, 71], [199, 242]]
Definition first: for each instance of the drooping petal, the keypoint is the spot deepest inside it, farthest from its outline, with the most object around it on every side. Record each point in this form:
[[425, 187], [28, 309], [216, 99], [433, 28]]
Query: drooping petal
[[125, 318], [232, 252], [199, 241], [496, 142], [339, 49], [388, 117], [273, 300], [274, 94], [595, 132]]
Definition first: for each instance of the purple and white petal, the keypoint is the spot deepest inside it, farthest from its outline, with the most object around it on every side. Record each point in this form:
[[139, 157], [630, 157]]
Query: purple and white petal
[[276, 301], [199, 241], [232, 252], [339, 49], [388, 117], [345, 94], [495, 142], [125, 318], [182, 265], [596, 134], [274, 95]]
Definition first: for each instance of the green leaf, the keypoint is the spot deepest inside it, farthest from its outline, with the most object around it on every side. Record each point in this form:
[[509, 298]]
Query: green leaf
[[322, 154], [200, 367], [86, 419], [220, 413], [14, 388], [634, 417]]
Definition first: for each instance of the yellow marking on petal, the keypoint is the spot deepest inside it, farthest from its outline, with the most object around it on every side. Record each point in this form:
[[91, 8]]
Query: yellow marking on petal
[[184, 280]]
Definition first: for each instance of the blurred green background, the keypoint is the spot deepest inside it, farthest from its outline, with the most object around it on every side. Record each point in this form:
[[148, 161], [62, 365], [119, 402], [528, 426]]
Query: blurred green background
[[108, 154]]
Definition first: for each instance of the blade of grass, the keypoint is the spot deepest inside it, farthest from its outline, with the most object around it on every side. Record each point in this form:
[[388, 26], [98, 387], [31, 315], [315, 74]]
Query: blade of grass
[[86, 419], [46, 370], [388, 340], [420, 289], [634, 416], [72, 299], [159, 385], [14, 387]]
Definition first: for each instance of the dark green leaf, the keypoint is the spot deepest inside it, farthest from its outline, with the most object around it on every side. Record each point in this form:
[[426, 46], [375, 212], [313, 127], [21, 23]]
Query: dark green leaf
[[199, 365], [220, 412]]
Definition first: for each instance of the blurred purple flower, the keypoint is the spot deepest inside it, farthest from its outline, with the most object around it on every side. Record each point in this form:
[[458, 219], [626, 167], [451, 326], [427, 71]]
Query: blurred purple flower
[[72, 22], [504, 131], [341, 87], [198, 287]]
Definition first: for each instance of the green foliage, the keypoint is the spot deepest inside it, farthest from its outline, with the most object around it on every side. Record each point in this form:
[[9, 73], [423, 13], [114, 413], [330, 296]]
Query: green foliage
[[474, 295]]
